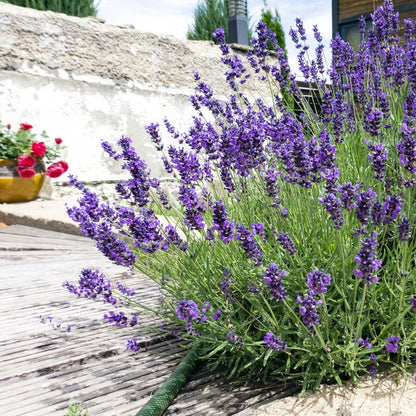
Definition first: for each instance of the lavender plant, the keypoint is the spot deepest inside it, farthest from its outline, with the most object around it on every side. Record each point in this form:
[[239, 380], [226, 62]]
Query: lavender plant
[[289, 251]]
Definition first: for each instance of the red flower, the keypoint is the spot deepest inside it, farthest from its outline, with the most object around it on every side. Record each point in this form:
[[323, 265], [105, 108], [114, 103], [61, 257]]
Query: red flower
[[25, 126], [63, 164], [58, 140], [9, 126], [57, 169], [26, 161], [25, 172], [38, 149]]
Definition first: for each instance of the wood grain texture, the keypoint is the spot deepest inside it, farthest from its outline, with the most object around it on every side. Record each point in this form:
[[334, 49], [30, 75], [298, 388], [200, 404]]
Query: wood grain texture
[[42, 370]]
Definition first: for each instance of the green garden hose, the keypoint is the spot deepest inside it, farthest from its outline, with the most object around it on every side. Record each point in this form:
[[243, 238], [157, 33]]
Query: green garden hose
[[171, 387]]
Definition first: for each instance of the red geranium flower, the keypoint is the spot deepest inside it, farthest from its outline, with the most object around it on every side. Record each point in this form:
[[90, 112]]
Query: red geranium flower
[[25, 172], [25, 126], [57, 169], [58, 140], [38, 149], [26, 161], [63, 165]]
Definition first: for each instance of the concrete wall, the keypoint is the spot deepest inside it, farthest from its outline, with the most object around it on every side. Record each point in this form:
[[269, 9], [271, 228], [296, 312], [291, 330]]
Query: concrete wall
[[83, 80]]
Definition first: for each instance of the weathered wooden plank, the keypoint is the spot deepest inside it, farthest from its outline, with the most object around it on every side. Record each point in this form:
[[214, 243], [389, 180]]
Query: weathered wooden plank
[[24, 230], [42, 370]]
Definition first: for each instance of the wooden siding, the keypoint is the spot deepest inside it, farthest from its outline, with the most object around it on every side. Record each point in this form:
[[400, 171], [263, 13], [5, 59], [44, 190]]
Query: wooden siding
[[352, 8]]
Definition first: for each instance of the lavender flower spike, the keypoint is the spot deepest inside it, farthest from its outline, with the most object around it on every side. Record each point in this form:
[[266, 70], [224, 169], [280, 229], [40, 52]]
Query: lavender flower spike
[[273, 279], [367, 261], [286, 242], [318, 281], [392, 344], [308, 310], [274, 342]]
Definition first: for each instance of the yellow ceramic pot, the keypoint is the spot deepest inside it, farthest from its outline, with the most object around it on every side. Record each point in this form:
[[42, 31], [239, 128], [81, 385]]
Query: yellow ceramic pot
[[13, 188]]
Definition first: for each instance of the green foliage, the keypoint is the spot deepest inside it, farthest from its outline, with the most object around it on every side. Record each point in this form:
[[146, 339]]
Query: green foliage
[[76, 409], [80, 8], [208, 16], [16, 143], [274, 23]]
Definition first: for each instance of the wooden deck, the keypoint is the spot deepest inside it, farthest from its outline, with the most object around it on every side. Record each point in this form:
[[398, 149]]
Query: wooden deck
[[43, 369]]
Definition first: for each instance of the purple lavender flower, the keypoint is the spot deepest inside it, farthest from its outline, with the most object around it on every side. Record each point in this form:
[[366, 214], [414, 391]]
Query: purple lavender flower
[[391, 208], [412, 301], [333, 207], [91, 284], [377, 212], [274, 342], [367, 260], [125, 290], [187, 310], [378, 159], [372, 121], [365, 201], [273, 279], [153, 131], [392, 344], [186, 164], [270, 182], [219, 35], [234, 339], [250, 246], [145, 231], [221, 222], [119, 319], [225, 286], [138, 186], [257, 228], [365, 343], [133, 345], [308, 310], [172, 237], [286, 242], [252, 288], [372, 372], [407, 148], [216, 315], [193, 208], [373, 358], [318, 281], [347, 194]]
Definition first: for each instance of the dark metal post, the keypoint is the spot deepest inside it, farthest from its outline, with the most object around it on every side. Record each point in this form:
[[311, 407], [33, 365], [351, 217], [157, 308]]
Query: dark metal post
[[237, 21], [335, 20]]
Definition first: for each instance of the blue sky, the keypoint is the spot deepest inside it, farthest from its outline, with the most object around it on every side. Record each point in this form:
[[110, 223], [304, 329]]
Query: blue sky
[[173, 17]]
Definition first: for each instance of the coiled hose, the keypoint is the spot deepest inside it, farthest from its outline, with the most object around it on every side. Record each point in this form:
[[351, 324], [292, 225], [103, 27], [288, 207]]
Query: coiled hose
[[161, 400]]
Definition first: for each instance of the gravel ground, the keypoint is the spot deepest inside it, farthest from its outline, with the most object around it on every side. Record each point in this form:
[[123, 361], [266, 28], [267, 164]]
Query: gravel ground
[[378, 396]]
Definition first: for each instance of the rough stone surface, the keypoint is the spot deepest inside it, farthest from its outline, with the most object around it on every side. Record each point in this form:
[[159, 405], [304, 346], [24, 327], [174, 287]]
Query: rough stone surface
[[85, 49]]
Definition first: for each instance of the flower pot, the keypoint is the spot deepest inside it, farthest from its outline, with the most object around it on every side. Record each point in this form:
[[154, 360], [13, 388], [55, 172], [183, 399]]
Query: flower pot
[[13, 188]]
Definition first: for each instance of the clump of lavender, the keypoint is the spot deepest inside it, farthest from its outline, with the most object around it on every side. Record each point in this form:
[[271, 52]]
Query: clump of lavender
[[275, 225]]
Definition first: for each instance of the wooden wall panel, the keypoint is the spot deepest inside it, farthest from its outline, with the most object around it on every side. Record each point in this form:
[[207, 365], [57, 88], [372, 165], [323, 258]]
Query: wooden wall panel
[[352, 8]]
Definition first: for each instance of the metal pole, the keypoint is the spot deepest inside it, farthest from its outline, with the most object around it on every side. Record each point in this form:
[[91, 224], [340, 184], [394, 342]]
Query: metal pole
[[237, 21]]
